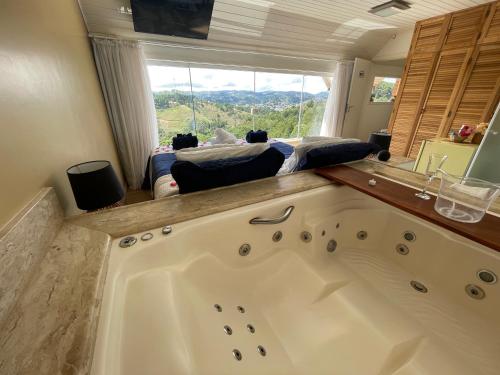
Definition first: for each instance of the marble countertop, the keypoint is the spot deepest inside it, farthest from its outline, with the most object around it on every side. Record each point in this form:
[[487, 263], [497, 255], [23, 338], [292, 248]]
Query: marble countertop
[[49, 324]]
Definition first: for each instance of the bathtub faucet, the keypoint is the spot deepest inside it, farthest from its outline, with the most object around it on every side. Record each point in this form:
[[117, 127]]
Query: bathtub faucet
[[275, 220]]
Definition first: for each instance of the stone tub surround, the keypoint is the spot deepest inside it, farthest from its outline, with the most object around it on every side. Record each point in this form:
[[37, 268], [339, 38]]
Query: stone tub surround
[[50, 321], [23, 244], [52, 327], [121, 221]]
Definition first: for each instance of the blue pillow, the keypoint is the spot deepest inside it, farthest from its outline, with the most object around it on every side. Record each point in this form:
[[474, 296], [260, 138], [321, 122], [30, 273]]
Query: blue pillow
[[337, 154], [191, 177]]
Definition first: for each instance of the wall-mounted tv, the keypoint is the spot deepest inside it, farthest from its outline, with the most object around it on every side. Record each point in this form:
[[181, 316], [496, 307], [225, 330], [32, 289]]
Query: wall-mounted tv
[[184, 18]]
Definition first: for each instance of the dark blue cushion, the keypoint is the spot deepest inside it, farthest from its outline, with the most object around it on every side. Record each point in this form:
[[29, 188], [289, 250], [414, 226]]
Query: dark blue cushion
[[184, 141], [337, 154], [256, 136], [191, 177]]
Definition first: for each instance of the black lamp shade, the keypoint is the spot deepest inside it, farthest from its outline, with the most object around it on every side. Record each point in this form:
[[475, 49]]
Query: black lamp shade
[[381, 139], [94, 185]]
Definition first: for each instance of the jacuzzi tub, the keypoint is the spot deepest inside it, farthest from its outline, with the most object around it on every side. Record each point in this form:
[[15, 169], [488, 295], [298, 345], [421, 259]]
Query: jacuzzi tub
[[168, 302]]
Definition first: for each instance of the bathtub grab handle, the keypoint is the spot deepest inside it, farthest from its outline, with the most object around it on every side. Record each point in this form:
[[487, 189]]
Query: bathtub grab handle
[[276, 220]]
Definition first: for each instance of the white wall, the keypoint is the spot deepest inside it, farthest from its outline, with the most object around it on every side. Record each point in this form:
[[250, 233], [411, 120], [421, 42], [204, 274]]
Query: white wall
[[52, 110], [365, 117], [396, 48]]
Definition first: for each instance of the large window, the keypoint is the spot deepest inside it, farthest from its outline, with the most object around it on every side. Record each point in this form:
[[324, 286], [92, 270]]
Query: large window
[[200, 100]]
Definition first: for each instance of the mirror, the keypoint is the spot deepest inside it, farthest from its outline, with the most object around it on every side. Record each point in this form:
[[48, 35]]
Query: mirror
[[484, 165]]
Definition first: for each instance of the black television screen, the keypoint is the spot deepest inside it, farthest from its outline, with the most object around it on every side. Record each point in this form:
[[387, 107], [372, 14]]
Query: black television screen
[[184, 18]]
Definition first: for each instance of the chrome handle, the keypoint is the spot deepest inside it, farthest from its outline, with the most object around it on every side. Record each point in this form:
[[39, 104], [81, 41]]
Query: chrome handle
[[276, 220]]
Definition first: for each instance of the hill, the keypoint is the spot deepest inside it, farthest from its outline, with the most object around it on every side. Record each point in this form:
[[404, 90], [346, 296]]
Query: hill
[[277, 112]]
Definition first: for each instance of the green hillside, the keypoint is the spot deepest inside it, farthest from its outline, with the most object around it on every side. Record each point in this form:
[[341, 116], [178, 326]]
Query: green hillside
[[278, 118]]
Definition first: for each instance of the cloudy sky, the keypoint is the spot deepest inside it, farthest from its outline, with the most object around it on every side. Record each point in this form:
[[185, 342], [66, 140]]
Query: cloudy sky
[[168, 78]]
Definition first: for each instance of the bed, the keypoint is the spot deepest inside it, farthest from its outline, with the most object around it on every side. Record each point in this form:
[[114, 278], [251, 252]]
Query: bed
[[160, 179]]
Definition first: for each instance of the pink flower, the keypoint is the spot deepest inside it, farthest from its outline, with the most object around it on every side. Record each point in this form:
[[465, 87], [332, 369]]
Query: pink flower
[[465, 131]]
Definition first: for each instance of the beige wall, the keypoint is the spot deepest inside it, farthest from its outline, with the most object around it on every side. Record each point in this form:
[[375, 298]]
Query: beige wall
[[52, 113]]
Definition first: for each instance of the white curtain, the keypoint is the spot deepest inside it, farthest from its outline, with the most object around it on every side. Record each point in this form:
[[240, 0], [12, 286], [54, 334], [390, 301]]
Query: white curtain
[[129, 101], [333, 118]]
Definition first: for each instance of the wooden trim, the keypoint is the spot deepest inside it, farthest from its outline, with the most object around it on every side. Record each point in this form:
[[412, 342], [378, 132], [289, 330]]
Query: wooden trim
[[402, 197]]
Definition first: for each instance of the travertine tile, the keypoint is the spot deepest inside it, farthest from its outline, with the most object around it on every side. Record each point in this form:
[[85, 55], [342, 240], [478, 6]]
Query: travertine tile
[[52, 326], [23, 244]]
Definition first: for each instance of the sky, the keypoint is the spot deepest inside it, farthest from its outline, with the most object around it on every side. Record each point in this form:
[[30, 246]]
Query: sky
[[169, 78]]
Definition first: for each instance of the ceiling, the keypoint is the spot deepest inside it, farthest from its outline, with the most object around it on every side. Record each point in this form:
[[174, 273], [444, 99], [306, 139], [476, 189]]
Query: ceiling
[[328, 29]]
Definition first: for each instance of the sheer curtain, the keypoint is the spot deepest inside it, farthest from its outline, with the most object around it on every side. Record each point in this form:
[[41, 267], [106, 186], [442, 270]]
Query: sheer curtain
[[333, 118], [125, 83]]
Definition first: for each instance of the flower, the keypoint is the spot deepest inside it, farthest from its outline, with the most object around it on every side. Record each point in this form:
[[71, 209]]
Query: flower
[[465, 131]]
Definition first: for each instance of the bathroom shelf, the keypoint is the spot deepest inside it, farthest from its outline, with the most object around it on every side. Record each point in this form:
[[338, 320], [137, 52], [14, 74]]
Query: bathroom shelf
[[486, 232]]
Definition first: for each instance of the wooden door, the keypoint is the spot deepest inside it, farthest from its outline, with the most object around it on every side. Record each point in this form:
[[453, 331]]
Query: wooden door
[[443, 87], [427, 40], [478, 96]]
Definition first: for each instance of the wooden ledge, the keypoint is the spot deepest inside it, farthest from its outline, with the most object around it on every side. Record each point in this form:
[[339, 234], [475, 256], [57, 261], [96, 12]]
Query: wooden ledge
[[486, 232]]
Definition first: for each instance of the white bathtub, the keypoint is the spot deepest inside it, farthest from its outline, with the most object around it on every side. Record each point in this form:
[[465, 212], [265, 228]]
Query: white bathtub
[[350, 312]]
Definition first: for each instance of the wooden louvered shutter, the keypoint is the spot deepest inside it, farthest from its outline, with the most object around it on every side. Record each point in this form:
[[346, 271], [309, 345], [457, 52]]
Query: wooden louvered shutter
[[465, 27], [478, 96], [444, 86], [492, 32], [427, 40]]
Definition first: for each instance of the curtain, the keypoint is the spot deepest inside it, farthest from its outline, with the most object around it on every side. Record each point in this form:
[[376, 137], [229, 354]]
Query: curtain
[[333, 118], [127, 92]]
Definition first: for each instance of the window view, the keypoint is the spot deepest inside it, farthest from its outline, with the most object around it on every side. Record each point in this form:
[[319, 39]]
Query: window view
[[223, 99], [172, 95], [384, 89], [200, 100]]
